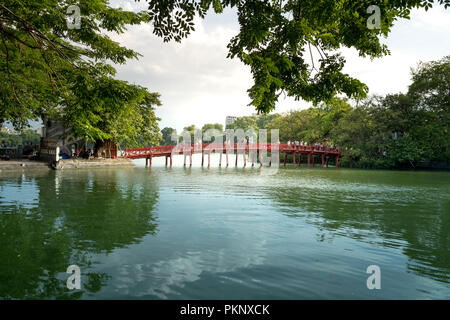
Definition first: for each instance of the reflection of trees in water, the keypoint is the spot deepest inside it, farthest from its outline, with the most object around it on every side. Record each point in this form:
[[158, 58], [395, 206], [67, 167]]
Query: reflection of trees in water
[[79, 214], [419, 225]]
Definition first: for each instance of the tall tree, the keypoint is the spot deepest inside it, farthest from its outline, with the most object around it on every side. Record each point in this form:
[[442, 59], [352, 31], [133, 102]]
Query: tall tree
[[244, 123], [216, 126], [430, 92], [50, 66], [136, 124], [167, 135], [191, 131]]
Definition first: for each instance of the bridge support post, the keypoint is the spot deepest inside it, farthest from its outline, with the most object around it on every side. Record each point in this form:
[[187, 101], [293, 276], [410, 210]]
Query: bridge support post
[[171, 160], [328, 158], [220, 158], [203, 158], [279, 157], [151, 160], [309, 159], [323, 160], [209, 159], [337, 161], [237, 155], [166, 161], [226, 153], [294, 159], [190, 160], [245, 158], [260, 158], [253, 157]]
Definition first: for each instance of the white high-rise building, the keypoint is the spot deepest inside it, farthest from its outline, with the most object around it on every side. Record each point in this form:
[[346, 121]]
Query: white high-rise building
[[230, 120]]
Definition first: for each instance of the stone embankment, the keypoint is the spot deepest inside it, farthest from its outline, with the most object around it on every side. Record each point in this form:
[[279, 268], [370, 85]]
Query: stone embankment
[[23, 165], [92, 163], [64, 164]]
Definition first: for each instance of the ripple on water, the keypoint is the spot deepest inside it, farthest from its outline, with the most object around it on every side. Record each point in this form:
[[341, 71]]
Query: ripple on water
[[226, 233]]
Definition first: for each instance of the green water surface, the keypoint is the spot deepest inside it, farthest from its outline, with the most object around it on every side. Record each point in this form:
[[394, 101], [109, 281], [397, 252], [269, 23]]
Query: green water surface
[[224, 233]]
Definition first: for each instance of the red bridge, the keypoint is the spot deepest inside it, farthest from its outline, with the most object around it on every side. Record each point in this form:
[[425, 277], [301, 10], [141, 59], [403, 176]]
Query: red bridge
[[252, 149]]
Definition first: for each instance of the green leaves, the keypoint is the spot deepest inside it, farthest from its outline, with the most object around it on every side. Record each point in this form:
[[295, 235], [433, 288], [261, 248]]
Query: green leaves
[[405, 151], [291, 45], [51, 69], [394, 131], [167, 134]]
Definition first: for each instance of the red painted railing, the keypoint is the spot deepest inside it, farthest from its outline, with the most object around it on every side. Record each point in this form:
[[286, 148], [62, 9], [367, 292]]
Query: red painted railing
[[225, 148]]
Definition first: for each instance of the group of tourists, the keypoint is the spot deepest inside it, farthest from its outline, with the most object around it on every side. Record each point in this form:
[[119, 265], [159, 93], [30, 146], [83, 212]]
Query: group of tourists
[[79, 153], [297, 143], [317, 145], [82, 153]]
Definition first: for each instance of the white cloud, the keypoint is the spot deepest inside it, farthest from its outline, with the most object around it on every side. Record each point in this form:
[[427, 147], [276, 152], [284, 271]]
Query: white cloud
[[200, 85], [423, 38], [435, 18]]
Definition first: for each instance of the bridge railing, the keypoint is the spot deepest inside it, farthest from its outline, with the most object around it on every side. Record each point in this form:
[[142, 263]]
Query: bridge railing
[[293, 147], [221, 147]]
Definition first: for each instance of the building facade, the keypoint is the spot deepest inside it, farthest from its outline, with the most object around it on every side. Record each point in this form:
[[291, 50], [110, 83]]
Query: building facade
[[230, 120]]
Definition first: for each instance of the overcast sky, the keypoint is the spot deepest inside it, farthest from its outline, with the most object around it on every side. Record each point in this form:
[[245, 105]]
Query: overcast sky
[[199, 85]]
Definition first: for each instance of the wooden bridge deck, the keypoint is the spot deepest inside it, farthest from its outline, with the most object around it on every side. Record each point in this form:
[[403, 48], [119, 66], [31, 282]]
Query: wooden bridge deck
[[252, 149]]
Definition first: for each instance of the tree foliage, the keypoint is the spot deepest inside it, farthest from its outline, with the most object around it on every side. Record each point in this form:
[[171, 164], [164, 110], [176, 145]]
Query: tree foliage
[[213, 126], [291, 45], [23, 138], [167, 136], [48, 68], [397, 130]]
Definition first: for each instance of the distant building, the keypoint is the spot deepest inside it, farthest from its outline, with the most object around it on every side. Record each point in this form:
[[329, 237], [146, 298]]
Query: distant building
[[230, 120], [57, 134], [5, 129]]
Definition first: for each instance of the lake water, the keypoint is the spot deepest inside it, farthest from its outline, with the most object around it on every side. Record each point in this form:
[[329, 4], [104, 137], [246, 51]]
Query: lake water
[[224, 233]]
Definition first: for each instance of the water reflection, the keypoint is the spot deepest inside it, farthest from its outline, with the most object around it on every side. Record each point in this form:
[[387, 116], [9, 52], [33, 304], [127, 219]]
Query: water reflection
[[51, 220], [221, 233], [409, 212]]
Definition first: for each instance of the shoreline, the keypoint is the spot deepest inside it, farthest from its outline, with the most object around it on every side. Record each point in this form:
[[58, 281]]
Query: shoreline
[[64, 164], [17, 165], [70, 164]]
